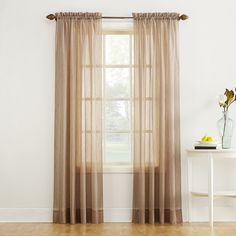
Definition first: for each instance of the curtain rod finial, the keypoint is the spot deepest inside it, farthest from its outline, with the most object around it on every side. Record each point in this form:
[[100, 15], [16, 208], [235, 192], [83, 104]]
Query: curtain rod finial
[[183, 17], [51, 17]]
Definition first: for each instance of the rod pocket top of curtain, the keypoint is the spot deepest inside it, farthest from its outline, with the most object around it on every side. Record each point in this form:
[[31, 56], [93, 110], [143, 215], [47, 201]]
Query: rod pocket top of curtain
[[77, 15]]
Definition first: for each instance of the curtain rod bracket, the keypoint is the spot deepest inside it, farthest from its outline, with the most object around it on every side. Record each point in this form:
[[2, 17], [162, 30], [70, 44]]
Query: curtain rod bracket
[[51, 17], [183, 17]]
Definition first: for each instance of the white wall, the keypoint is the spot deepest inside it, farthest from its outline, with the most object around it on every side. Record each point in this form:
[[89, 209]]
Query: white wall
[[207, 48]]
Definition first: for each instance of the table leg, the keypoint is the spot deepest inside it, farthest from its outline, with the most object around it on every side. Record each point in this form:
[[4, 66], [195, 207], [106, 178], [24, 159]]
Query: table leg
[[189, 190], [210, 188]]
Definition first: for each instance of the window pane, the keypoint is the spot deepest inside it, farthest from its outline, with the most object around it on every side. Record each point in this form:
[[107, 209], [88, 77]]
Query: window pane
[[117, 82], [118, 148], [117, 49], [117, 115]]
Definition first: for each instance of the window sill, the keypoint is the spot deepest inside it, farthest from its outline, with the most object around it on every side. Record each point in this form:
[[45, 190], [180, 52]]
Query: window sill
[[117, 169]]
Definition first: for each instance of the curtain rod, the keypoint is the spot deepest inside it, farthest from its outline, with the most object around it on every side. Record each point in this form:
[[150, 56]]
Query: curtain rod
[[53, 17]]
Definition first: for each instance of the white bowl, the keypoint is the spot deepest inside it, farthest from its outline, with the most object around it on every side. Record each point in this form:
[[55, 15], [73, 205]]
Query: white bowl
[[208, 143]]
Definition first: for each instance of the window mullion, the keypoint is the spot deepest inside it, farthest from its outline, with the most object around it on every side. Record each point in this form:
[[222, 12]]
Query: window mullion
[[104, 96], [131, 96]]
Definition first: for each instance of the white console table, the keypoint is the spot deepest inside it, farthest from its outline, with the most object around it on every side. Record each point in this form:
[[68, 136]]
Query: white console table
[[211, 155]]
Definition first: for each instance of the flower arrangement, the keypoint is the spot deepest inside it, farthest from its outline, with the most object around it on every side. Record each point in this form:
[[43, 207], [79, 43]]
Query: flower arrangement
[[225, 124], [227, 99]]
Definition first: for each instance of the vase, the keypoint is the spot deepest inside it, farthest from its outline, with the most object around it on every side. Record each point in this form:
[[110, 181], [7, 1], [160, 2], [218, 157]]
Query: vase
[[225, 127]]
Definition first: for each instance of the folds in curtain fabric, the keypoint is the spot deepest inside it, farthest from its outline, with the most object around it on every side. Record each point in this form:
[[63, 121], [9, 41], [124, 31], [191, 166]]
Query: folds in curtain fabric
[[78, 189], [157, 191]]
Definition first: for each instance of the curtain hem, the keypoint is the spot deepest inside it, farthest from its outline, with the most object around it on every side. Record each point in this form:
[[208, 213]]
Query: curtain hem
[[168, 216], [92, 216]]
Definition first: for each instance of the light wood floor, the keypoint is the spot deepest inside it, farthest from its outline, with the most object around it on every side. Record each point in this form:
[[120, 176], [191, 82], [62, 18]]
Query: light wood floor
[[116, 229]]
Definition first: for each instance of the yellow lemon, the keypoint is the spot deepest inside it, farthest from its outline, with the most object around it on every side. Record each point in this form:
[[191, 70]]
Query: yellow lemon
[[210, 139]]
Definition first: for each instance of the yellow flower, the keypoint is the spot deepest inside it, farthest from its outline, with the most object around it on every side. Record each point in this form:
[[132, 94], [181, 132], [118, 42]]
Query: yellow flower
[[221, 100]]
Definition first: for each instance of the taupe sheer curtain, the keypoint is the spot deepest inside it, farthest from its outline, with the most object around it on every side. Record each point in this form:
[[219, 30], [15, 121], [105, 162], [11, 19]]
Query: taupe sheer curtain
[[78, 190], [157, 192]]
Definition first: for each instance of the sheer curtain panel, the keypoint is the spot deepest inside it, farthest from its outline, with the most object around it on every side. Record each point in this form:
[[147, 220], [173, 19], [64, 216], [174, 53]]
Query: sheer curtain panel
[[157, 192], [78, 182]]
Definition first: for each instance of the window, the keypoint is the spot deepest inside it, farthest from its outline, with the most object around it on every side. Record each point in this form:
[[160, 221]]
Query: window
[[117, 77]]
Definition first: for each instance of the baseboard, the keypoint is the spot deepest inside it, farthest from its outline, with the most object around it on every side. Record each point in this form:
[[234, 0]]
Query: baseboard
[[45, 215], [221, 214], [118, 215], [25, 215]]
